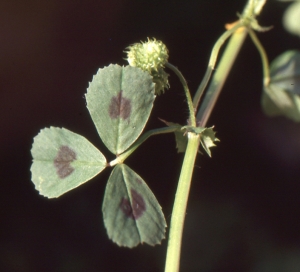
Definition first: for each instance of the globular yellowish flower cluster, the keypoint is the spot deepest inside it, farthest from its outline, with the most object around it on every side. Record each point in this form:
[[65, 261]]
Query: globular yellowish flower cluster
[[150, 56]]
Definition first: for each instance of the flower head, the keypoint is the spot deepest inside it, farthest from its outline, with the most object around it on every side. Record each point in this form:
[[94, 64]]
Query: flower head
[[150, 56], [160, 78]]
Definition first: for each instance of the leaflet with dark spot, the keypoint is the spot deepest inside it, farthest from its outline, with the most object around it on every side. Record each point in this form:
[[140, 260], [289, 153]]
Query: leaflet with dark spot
[[62, 161], [136, 209], [119, 107]]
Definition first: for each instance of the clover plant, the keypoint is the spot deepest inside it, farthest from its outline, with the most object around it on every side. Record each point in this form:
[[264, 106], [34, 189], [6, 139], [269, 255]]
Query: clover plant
[[120, 100]]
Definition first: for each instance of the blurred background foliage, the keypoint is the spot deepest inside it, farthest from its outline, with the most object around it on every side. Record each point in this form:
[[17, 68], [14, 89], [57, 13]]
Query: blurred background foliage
[[243, 213]]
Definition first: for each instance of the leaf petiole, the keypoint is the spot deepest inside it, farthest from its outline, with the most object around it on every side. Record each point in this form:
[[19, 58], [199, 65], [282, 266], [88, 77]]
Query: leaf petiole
[[121, 158], [263, 55]]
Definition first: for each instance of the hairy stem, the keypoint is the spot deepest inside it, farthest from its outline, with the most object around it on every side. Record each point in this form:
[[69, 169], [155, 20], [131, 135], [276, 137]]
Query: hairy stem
[[179, 208], [187, 93], [178, 215]]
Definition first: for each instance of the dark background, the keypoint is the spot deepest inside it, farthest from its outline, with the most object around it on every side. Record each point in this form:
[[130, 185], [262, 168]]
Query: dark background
[[243, 212]]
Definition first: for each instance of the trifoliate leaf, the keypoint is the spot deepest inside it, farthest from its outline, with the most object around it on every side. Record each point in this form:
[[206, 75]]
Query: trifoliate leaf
[[281, 96], [120, 100], [63, 160], [131, 212]]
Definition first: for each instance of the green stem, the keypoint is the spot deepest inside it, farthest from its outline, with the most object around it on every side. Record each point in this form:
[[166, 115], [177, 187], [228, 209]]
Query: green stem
[[178, 215], [263, 55], [187, 92], [220, 75], [121, 158], [251, 10], [212, 62], [180, 203], [181, 198]]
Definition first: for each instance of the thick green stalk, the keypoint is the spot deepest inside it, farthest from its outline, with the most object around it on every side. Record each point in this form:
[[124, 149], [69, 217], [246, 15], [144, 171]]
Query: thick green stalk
[[220, 75], [212, 62], [179, 209], [180, 203], [252, 9]]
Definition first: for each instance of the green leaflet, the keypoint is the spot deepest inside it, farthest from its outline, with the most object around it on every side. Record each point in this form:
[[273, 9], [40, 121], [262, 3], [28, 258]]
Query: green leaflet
[[120, 100], [281, 96], [63, 160], [285, 71], [131, 213]]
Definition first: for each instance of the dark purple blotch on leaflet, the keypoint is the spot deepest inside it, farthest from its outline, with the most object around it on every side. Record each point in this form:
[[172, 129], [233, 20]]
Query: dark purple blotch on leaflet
[[119, 107], [62, 161], [137, 208]]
